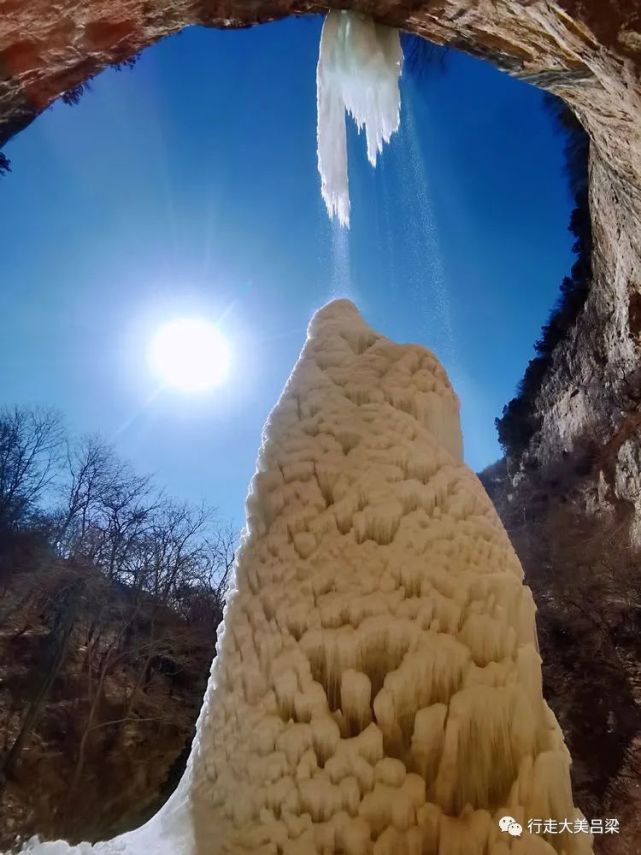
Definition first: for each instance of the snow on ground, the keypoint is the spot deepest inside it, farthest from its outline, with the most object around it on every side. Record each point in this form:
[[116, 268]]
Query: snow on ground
[[377, 688], [359, 66]]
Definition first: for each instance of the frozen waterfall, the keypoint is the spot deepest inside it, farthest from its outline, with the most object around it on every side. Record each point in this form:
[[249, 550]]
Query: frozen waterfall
[[358, 72]]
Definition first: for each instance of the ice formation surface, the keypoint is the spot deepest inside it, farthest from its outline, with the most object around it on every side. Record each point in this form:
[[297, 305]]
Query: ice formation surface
[[359, 66], [377, 688]]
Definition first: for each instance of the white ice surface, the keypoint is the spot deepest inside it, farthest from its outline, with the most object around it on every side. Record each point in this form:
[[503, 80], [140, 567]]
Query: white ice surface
[[359, 65], [377, 688]]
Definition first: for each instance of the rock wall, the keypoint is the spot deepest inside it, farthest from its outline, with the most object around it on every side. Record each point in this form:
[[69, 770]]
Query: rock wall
[[589, 401]]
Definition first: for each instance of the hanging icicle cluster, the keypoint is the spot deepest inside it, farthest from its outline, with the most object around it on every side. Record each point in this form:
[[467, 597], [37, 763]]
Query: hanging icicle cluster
[[358, 72]]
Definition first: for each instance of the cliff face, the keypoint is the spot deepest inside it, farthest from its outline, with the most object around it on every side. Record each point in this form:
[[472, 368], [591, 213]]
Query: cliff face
[[588, 404]]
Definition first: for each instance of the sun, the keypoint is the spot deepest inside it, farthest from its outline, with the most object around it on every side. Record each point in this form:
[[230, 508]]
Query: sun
[[190, 354]]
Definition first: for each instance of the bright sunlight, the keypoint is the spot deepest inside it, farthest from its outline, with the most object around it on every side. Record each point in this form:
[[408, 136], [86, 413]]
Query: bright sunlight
[[190, 354]]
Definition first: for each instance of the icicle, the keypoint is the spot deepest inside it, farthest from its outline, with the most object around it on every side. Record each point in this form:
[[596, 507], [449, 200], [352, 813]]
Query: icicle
[[359, 65]]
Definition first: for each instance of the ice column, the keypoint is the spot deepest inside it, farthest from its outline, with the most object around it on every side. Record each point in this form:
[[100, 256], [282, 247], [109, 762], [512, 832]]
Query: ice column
[[377, 688]]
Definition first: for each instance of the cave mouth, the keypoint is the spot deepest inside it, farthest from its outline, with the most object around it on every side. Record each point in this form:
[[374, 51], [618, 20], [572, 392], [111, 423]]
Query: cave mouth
[[95, 178]]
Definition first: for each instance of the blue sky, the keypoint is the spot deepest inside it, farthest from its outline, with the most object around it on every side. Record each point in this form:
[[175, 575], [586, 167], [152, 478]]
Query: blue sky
[[188, 186]]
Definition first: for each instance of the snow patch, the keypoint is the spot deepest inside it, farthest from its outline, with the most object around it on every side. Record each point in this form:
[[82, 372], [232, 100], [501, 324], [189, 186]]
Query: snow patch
[[358, 70]]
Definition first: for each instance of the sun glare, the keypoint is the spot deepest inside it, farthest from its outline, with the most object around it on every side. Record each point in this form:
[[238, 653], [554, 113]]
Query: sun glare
[[190, 354]]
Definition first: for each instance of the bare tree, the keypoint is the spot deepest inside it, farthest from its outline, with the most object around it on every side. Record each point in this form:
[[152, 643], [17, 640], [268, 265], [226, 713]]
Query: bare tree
[[63, 619], [105, 507], [90, 469], [185, 554], [122, 587], [219, 556], [31, 442], [128, 506]]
